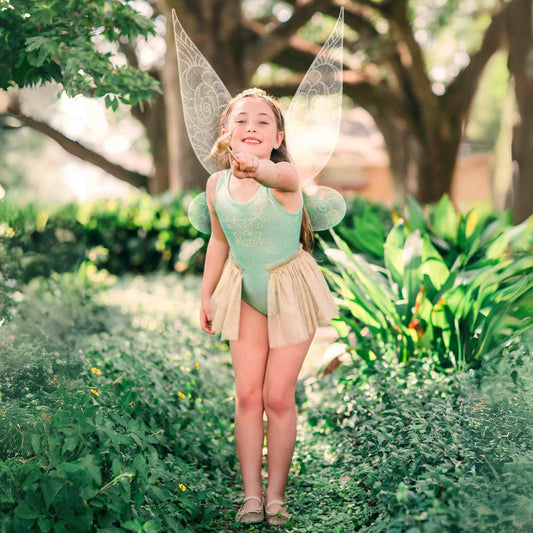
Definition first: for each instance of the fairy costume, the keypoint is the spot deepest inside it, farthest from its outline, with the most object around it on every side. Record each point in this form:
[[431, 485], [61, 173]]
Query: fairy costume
[[266, 266]]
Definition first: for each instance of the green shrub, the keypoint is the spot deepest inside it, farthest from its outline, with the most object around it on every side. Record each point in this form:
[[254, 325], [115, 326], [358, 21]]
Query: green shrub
[[365, 227], [143, 234], [456, 236], [419, 305], [140, 235], [36, 243]]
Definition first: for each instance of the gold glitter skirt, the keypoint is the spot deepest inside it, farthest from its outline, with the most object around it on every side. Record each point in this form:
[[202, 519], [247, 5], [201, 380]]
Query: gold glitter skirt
[[299, 300]]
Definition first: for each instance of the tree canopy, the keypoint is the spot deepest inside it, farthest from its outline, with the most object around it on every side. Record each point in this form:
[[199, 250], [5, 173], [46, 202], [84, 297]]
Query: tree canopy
[[71, 43], [418, 91]]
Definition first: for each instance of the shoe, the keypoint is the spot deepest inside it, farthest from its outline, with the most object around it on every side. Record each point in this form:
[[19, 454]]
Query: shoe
[[278, 518], [255, 515]]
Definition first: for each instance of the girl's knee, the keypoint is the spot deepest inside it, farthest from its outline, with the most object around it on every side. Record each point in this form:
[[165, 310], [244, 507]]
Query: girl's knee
[[278, 402], [249, 398]]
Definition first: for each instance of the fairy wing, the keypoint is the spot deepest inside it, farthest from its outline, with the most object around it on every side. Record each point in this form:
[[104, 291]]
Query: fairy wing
[[325, 206], [316, 107], [199, 214], [313, 119], [312, 125], [203, 95]]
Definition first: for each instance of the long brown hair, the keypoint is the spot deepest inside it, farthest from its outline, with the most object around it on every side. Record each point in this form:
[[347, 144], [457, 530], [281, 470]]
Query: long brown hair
[[277, 155]]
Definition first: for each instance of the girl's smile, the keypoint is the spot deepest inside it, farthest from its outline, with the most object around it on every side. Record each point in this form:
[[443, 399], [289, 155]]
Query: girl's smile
[[254, 128], [251, 140]]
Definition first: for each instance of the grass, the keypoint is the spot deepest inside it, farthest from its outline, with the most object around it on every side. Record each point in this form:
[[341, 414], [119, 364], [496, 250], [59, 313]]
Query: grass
[[383, 449]]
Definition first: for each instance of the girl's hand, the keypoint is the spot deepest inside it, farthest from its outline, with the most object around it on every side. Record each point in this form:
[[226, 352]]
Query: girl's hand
[[205, 316], [246, 167]]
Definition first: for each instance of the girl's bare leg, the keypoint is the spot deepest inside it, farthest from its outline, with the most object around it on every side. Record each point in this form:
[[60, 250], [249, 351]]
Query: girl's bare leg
[[283, 367], [249, 355]]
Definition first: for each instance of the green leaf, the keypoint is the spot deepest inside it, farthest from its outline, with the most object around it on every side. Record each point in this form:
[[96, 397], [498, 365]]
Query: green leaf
[[433, 265], [23, 510], [36, 442], [411, 260], [34, 43], [445, 220], [417, 217], [51, 488], [394, 251]]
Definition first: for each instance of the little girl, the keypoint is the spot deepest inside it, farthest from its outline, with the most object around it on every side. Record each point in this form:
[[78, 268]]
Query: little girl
[[263, 290]]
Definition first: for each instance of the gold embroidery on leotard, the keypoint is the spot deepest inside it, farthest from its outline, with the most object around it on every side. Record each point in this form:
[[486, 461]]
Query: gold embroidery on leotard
[[246, 230]]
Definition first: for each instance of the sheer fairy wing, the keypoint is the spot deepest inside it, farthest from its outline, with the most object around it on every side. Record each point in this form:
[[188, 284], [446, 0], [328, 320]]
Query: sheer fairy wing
[[325, 206], [316, 107], [203, 95], [199, 214]]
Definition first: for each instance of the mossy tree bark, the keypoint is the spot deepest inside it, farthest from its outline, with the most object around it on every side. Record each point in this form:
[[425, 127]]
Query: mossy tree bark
[[520, 28]]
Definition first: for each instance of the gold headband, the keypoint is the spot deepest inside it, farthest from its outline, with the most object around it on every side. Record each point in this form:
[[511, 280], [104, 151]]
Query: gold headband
[[254, 91]]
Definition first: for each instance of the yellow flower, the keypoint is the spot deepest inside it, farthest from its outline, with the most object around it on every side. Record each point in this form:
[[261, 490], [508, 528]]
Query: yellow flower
[[132, 404], [197, 366], [96, 371], [182, 487], [95, 392], [181, 395]]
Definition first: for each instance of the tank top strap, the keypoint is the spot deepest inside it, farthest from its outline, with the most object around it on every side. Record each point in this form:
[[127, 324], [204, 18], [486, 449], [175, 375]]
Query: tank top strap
[[222, 179]]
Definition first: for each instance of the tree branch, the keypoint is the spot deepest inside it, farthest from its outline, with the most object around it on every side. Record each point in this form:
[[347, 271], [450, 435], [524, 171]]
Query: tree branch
[[382, 7], [273, 42], [363, 91], [370, 36], [129, 51], [415, 81], [462, 89], [80, 151]]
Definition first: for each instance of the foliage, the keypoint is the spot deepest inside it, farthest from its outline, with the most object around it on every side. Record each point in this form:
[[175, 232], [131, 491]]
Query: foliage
[[455, 297], [92, 369], [55, 41], [405, 448], [35, 243], [497, 417], [112, 427], [142, 234], [364, 227]]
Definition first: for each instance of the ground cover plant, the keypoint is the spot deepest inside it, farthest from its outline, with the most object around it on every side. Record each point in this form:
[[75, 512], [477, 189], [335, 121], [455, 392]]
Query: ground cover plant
[[387, 447], [397, 447], [109, 421]]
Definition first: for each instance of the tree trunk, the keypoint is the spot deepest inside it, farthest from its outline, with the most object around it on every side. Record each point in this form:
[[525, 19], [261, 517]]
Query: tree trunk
[[521, 67], [212, 27], [399, 143], [153, 118], [436, 163]]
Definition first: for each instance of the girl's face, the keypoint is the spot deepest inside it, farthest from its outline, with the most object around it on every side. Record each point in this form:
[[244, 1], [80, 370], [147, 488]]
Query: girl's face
[[254, 127]]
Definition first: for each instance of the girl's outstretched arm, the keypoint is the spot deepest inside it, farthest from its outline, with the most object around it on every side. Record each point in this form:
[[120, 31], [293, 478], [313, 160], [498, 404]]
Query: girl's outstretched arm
[[217, 252], [282, 176]]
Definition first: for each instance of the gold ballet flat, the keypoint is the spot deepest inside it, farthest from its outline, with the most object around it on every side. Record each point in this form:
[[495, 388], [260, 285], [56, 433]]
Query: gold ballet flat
[[278, 518], [255, 515]]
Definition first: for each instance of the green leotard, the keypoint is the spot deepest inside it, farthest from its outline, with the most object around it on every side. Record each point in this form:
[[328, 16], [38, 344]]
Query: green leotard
[[261, 233]]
